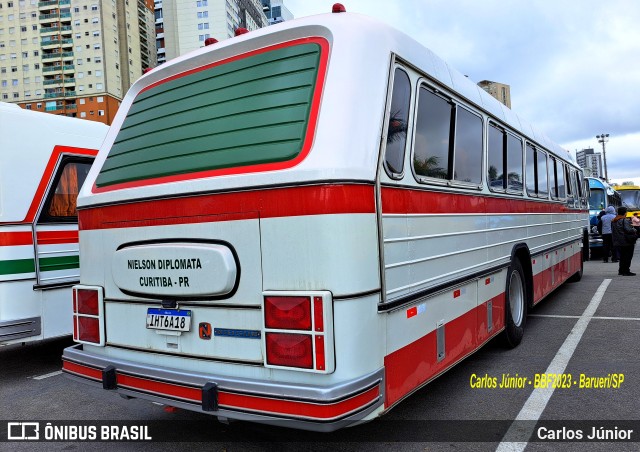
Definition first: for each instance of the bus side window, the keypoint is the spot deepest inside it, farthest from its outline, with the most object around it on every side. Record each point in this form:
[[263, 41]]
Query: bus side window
[[562, 190], [584, 194], [496, 159], [467, 155], [553, 180], [532, 186], [568, 176], [432, 136], [397, 126], [542, 174], [61, 202], [514, 164]]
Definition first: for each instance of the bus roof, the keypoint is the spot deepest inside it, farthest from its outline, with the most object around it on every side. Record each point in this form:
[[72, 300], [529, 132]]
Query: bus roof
[[350, 118], [27, 140]]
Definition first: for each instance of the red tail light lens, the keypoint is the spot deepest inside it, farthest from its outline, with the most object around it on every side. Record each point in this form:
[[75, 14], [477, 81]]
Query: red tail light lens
[[88, 329], [88, 317], [287, 313], [320, 352], [86, 302], [291, 350]]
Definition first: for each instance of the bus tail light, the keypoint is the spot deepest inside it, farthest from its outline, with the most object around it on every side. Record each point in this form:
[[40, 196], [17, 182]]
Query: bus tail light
[[287, 313], [290, 350], [88, 315], [298, 331]]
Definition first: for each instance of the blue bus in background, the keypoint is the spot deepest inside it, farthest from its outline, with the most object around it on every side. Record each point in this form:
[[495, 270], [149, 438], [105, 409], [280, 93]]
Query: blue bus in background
[[602, 195]]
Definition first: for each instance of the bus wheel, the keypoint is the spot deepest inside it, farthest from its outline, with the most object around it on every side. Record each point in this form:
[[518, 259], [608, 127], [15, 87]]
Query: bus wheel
[[515, 305]]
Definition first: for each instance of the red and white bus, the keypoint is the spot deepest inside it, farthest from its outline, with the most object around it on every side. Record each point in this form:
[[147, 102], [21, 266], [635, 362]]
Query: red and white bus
[[306, 223], [44, 160]]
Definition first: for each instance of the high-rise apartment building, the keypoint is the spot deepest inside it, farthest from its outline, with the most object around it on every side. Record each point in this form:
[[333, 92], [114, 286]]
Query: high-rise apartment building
[[500, 91], [276, 11], [184, 25], [74, 58], [591, 162]]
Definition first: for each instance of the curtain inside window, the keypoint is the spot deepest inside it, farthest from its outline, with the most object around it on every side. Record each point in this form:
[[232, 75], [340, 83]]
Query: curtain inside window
[[63, 203]]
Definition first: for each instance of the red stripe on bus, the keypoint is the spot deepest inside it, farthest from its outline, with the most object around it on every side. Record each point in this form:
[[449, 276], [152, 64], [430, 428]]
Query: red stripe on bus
[[412, 201], [57, 237], [16, 238], [235, 401], [280, 202], [309, 134], [48, 174], [160, 387], [253, 402], [294, 408], [84, 371]]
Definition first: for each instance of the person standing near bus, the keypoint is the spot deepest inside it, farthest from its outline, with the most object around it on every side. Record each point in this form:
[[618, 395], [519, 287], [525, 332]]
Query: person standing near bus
[[607, 243], [624, 238]]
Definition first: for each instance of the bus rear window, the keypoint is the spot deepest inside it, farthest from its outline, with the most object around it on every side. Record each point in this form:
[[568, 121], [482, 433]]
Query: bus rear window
[[249, 111]]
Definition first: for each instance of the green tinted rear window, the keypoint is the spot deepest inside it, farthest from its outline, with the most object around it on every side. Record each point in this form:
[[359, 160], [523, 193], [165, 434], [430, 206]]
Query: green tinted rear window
[[251, 111]]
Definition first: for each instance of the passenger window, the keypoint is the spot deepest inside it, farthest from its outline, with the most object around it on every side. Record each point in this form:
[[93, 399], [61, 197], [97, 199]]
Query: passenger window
[[433, 127], [553, 182], [542, 173], [560, 173], [397, 126], [531, 171], [514, 163], [495, 172], [61, 202], [467, 166], [571, 187]]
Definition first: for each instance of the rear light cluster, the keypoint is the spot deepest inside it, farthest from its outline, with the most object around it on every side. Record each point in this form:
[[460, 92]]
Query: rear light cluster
[[298, 331], [88, 315]]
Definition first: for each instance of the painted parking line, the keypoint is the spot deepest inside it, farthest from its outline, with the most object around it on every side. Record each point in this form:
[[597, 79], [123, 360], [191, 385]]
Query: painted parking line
[[550, 316], [537, 401], [51, 374]]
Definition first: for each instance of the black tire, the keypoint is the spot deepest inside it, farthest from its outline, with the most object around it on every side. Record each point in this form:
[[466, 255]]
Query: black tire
[[515, 305], [585, 246], [577, 276]]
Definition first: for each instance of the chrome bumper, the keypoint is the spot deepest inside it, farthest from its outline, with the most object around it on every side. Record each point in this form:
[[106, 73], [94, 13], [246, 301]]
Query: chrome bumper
[[308, 407]]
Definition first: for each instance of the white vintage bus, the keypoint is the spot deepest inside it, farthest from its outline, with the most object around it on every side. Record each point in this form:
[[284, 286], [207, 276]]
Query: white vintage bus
[[304, 224], [43, 161]]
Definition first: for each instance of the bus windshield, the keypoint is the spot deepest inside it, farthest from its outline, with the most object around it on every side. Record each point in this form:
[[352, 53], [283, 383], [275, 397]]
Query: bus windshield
[[596, 199], [631, 198]]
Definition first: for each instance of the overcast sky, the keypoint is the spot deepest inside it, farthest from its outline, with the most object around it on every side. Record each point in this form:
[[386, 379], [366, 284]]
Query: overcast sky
[[573, 65]]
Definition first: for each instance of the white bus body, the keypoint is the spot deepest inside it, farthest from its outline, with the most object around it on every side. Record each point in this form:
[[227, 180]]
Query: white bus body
[[42, 159], [247, 250]]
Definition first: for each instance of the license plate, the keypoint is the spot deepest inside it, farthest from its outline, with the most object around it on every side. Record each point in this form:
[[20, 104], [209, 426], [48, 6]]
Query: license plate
[[168, 319]]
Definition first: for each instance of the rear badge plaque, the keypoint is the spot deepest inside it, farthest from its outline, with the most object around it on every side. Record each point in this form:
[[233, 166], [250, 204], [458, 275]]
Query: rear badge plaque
[[175, 270], [228, 332]]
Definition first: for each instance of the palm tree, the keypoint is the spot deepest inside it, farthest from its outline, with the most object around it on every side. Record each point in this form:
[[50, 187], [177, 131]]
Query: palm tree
[[429, 167]]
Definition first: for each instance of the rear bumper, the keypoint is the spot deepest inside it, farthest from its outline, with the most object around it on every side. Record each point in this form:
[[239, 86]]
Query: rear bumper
[[308, 407]]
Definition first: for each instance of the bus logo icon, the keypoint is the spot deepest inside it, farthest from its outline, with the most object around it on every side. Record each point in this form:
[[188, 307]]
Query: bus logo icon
[[205, 330], [23, 431]]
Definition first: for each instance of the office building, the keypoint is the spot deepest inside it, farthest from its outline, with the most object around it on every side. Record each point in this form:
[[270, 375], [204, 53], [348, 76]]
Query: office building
[[500, 91], [184, 25], [276, 11], [73, 58]]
